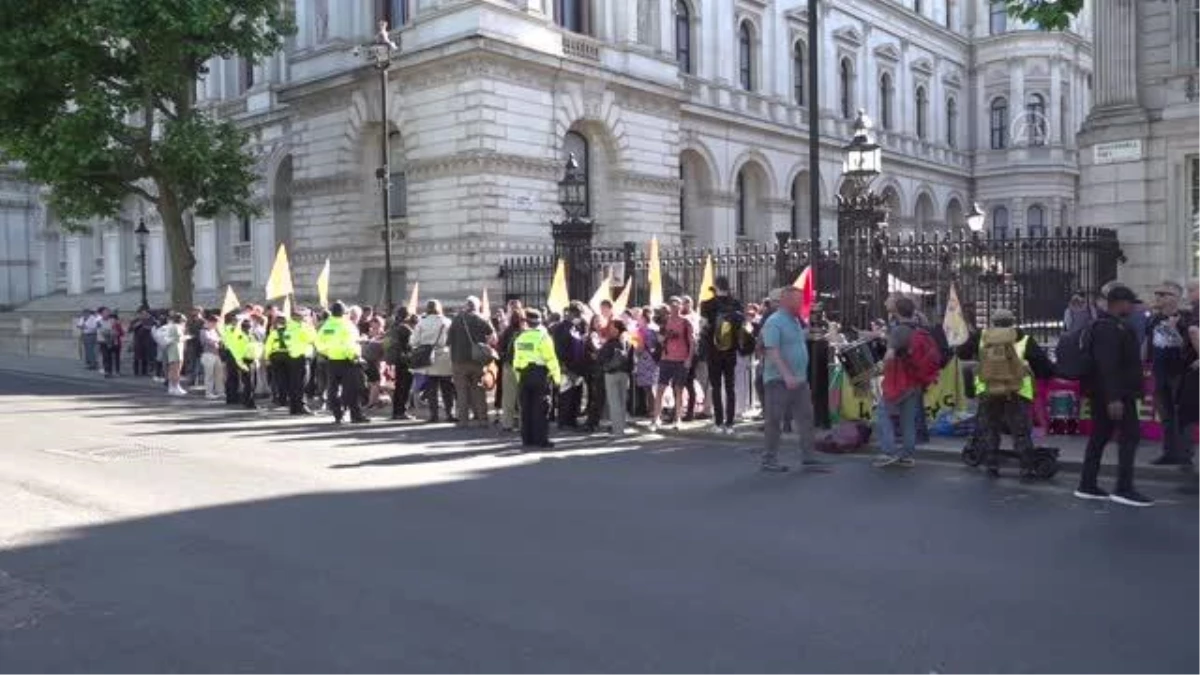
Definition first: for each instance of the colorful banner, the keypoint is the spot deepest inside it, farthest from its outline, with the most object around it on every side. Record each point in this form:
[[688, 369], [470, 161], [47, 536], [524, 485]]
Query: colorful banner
[[706, 282], [945, 394]]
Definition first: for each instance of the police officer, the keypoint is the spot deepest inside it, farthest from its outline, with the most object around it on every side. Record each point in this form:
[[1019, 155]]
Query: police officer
[[298, 337], [337, 340], [536, 364], [232, 372], [275, 350], [244, 352]]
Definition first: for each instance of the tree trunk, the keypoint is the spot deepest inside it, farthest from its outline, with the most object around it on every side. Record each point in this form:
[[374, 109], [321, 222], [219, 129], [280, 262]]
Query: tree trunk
[[182, 260]]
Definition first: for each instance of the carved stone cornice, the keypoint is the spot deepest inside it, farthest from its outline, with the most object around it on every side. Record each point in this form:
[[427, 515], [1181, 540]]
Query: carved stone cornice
[[643, 182], [484, 163], [778, 204], [719, 199], [475, 243], [332, 184]]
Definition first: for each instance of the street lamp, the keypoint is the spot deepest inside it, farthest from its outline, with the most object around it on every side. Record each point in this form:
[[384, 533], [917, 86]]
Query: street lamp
[[573, 234], [572, 190], [379, 54], [864, 158], [975, 218], [142, 233], [862, 228]]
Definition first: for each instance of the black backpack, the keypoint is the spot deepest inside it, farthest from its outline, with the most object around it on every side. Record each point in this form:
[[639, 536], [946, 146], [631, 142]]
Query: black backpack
[[1073, 353]]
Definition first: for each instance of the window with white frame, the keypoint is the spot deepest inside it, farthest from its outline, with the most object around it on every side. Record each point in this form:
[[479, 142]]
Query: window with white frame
[[950, 14], [885, 101], [798, 50], [397, 179], [998, 18], [244, 226], [999, 123], [1035, 221], [1000, 222], [952, 122], [741, 213], [683, 36], [846, 84], [1035, 119], [922, 113], [746, 56], [572, 15]]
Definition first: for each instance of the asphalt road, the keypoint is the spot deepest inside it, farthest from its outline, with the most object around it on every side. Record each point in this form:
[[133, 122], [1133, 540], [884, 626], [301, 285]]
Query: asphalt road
[[145, 534]]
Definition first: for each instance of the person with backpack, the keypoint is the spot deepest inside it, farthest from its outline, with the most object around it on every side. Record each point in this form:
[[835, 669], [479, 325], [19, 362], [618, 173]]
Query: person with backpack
[[724, 319], [911, 363], [1009, 360], [1112, 381], [399, 355]]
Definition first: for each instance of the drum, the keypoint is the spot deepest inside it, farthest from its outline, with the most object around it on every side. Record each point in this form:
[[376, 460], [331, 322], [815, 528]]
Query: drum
[[860, 359]]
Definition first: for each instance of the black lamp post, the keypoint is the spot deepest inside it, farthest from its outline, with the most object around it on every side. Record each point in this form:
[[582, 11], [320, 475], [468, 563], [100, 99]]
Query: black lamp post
[[862, 229], [573, 234], [379, 54], [141, 233], [864, 157], [975, 218]]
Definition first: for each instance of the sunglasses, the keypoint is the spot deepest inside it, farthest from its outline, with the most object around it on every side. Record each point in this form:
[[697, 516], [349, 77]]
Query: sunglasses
[[1165, 294]]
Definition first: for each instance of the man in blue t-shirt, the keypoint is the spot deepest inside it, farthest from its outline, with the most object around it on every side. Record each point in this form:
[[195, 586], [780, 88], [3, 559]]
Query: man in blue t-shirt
[[785, 381]]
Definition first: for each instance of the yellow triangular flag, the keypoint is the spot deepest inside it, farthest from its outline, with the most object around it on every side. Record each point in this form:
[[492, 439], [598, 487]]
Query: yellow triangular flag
[[558, 299], [656, 285], [603, 292], [287, 306], [954, 323], [413, 297], [323, 285], [231, 303], [706, 282], [485, 306], [279, 283], [622, 300]]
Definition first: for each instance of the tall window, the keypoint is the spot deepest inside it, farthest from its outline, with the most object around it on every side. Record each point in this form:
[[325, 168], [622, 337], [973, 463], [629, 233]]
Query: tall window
[[1000, 222], [244, 230], [846, 75], [1063, 127], [683, 36], [885, 101], [918, 7], [999, 124], [1035, 221], [798, 72], [572, 15], [1064, 216], [741, 214], [1035, 111], [950, 14], [682, 199], [394, 12], [922, 112], [746, 56], [999, 17], [575, 142], [397, 180], [952, 122], [1193, 28], [247, 75]]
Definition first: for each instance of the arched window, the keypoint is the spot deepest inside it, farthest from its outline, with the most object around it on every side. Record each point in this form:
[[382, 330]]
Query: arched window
[[1035, 221], [746, 56], [394, 12], [683, 36], [999, 124], [576, 143], [999, 17], [798, 72], [572, 15], [846, 75], [1035, 112], [397, 180], [1063, 128], [885, 101], [1000, 222], [741, 214], [682, 199], [922, 112], [952, 122]]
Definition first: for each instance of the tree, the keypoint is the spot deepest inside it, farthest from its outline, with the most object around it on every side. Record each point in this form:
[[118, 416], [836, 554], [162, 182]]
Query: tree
[[98, 102], [1049, 14]]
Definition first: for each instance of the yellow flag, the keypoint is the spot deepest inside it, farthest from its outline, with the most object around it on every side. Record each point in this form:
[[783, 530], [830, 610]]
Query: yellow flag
[[558, 299], [279, 283], [603, 292], [231, 303], [287, 306], [323, 285], [622, 300], [656, 285], [954, 323], [413, 297], [485, 306], [706, 282]]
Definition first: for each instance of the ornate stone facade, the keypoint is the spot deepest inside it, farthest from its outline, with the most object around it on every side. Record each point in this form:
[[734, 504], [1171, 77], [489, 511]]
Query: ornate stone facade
[[691, 116]]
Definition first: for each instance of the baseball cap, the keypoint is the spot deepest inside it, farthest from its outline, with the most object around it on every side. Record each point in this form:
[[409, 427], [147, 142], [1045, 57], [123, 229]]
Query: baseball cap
[[1121, 292]]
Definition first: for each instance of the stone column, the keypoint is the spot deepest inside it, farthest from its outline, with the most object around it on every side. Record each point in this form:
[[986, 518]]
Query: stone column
[[982, 118], [1054, 124], [721, 206], [1116, 59], [1016, 98], [75, 285], [666, 33], [156, 261], [206, 254], [114, 263]]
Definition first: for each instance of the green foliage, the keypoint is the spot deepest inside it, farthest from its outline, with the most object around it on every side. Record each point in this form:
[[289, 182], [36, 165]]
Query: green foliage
[[97, 100], [1049, 14]]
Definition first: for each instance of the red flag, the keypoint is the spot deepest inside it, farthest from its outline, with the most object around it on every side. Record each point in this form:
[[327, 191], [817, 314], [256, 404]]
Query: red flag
[[808, 291]]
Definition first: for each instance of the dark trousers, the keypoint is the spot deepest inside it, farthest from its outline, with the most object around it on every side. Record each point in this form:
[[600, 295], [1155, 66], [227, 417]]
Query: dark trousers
[[248, 385], [116, 358], [721, 367], [404, 381], [569, 402], [277, 376], [233, 379], [1176, 445], [595, 397], [1128, 431], [142, 350], [535, 390], [345, 377], [1003, 414], [689, 386], [440, 385], [295, 372], [107, 354]]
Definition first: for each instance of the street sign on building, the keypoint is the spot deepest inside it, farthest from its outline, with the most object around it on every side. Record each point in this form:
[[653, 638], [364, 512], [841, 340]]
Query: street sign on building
[[1117, 151]]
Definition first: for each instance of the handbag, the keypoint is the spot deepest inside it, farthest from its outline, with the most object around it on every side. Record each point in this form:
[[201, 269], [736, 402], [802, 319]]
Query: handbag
[[481, 352], [422, 355]]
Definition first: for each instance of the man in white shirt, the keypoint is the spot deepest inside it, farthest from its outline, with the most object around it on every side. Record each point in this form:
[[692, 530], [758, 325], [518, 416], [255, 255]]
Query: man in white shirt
[[91, 324]]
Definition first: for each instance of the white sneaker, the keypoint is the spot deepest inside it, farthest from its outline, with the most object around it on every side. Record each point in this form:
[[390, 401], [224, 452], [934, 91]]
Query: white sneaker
[[213, 397], [729, 431], [675, 425], [655, 426], [180, 391]]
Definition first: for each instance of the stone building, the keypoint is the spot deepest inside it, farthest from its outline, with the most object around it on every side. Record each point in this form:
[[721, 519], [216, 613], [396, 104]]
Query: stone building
[[690, 117], [1141, 154]]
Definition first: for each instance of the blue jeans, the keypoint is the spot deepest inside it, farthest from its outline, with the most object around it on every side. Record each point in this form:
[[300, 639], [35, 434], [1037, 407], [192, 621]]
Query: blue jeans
[[89, 350], [905, 409]]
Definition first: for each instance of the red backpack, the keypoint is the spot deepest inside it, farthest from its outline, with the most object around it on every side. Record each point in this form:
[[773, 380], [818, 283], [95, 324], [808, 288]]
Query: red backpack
[[924, 360]]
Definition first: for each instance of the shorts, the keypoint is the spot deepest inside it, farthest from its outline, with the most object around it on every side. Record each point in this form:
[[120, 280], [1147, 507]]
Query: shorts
[[673, 373], [372, 372]]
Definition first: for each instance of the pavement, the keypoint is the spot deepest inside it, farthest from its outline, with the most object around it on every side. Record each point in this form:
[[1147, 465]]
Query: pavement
[[142, 533]]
